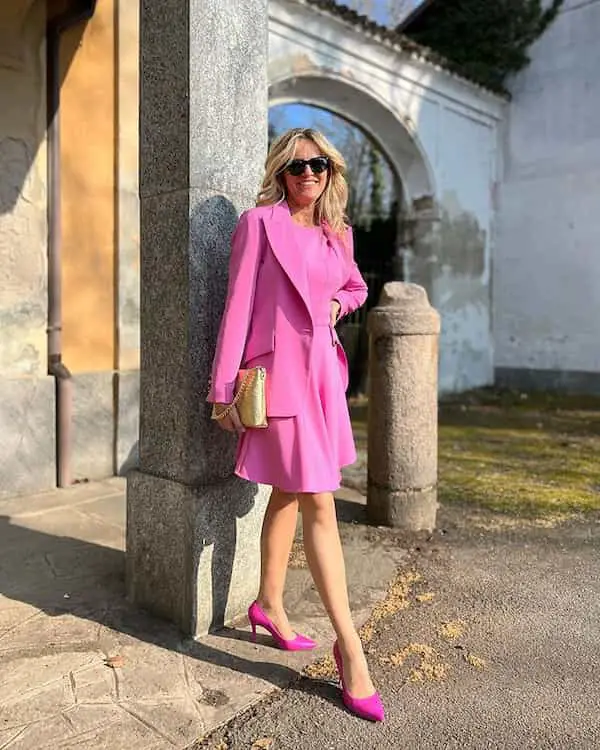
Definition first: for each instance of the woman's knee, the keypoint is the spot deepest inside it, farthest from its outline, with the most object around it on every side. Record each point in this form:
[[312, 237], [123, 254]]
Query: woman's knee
[[281, 498], [318, 507]]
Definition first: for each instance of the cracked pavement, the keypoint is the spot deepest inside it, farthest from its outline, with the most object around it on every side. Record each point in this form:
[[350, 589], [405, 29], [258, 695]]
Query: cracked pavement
[[488, 637], [81, 667], [499, 647]]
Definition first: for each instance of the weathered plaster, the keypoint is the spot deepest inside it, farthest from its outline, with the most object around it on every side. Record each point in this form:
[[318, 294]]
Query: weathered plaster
[[440, 135], [23, 232], [127, 185], [14, 29], [547, 264], [448, 259]]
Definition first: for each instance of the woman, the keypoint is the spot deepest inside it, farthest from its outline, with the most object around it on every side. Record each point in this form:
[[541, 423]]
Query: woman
[[291, 277]]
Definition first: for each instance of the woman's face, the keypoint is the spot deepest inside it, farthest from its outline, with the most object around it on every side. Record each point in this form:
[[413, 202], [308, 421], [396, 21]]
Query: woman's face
[[307, 187]]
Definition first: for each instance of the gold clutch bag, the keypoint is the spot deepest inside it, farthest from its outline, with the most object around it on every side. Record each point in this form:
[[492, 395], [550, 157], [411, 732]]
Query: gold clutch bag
[[250, 398]]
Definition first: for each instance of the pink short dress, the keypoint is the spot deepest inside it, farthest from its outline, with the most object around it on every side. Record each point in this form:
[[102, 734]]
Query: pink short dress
[[305, 453]]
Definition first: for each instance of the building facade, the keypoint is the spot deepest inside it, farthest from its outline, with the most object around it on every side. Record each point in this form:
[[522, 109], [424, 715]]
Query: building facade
[[69, 249], [500, 199], [547, 261]]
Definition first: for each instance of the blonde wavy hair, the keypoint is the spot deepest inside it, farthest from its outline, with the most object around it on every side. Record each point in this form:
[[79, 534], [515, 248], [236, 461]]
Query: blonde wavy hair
[[331, 205]]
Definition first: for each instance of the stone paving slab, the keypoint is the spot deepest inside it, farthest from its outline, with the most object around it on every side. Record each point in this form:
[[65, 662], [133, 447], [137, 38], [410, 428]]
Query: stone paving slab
[[63, 615]]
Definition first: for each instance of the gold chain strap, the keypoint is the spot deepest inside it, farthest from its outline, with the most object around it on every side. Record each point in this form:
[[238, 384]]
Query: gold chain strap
[[243, 385]]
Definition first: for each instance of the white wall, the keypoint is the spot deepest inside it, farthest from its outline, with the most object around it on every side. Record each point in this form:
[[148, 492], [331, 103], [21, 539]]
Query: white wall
[[547, 262], [442, 135]]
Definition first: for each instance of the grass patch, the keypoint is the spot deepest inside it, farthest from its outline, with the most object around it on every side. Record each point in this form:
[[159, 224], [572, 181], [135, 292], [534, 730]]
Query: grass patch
[[527, 454], [533, 455]]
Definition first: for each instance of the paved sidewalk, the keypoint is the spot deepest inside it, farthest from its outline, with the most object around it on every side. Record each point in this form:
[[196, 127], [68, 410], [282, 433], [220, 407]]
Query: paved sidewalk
[[498, 648], [80, 667]]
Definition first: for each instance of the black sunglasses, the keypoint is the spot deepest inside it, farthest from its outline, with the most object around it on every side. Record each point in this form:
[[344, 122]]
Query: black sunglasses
[[317, 165]]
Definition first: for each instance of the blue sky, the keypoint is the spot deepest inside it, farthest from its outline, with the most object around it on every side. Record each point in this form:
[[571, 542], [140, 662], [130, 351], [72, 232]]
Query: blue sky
[[380, 9]]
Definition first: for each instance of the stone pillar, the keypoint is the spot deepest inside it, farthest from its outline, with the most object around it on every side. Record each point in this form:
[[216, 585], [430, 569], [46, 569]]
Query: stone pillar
[[192, 529], [403, 370]]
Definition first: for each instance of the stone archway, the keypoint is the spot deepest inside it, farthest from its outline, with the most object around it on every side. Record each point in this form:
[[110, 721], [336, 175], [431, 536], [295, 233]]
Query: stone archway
[[347, 97], [359, 106], [441, 134], [414, 182]]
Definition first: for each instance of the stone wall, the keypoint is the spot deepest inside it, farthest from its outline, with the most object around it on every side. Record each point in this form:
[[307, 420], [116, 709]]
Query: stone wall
[[100, 244], [100, 201], [547, 264], [26, 393]]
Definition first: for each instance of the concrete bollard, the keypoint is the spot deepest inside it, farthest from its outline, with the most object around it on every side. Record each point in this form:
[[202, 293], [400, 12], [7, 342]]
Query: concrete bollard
[[403, 375]]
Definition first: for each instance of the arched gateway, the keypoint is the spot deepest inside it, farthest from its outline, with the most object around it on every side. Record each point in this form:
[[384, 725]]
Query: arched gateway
[[440, 133], [350, 99]]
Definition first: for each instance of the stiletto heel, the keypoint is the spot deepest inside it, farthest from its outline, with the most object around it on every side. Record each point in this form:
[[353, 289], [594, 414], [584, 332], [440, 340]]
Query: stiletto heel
[[258, 617], [370, 708]]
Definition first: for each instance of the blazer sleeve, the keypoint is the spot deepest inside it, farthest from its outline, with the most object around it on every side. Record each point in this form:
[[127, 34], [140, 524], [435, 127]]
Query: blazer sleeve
[[355, 291], [244, 261]]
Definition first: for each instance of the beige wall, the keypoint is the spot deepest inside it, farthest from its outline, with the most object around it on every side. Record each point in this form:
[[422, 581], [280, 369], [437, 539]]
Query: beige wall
[[99, 191], [23, 233], [87, 122], [99, 208]]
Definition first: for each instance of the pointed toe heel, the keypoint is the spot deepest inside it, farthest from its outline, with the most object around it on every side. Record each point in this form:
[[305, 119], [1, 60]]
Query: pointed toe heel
[[370, 708], [258, 617]]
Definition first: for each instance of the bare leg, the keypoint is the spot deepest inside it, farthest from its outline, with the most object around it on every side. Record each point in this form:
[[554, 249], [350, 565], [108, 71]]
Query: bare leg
[[278, 530], [324, 555]]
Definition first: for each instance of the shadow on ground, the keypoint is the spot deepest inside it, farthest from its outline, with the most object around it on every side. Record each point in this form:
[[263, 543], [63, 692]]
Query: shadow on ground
[[57, 582]]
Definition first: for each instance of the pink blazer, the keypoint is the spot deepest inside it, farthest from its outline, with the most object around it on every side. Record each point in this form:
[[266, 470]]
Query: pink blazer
[[267, 319]]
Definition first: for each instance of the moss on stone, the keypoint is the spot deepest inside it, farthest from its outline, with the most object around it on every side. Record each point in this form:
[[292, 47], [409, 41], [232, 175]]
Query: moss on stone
[[530, 454]]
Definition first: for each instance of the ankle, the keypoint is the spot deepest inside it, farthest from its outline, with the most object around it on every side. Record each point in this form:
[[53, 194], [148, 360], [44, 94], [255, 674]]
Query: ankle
[[350, 645], [270, 606]]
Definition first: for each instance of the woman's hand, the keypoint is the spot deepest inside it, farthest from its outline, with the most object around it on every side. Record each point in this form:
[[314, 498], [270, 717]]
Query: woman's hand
[[334, 309], [232, 422]]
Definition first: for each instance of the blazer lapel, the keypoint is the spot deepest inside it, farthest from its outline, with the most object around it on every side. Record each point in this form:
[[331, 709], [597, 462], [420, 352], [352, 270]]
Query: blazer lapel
[[285, 247]]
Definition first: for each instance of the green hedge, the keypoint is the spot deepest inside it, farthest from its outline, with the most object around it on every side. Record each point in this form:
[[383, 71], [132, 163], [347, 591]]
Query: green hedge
[[486, 40]]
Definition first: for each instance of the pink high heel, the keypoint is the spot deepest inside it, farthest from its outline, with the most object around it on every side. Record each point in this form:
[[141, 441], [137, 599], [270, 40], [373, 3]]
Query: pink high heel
[[370, 708], [258, 617]]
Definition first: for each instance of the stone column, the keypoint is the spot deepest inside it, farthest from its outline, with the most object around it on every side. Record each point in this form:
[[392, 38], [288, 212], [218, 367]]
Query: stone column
[[403, 370], [192, 529]]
